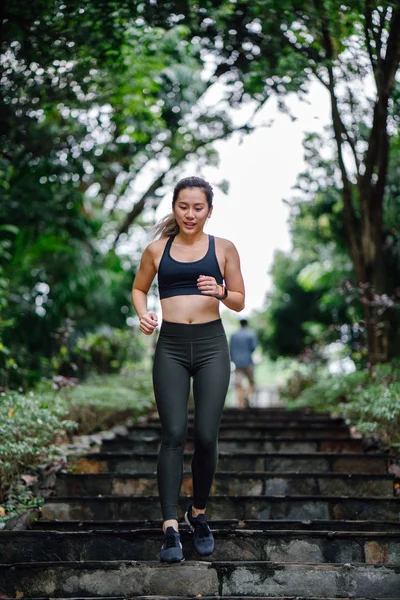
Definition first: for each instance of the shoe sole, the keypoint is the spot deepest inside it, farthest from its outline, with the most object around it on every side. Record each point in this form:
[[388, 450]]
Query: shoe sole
[[188, 523], [172, 562]]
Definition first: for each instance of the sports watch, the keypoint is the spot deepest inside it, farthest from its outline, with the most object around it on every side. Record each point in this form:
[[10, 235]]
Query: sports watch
[[224, 293]]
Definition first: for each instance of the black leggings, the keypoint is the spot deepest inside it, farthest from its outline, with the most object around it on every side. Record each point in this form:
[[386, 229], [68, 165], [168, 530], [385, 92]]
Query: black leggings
[[183, 351]]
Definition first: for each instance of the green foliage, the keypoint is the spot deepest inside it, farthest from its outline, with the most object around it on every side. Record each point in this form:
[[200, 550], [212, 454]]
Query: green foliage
[[375, 408], [281, 46], [32, 425], [369, 399], [92, 101], [285, 327], [106, 351], [321, 391], [29, 425]]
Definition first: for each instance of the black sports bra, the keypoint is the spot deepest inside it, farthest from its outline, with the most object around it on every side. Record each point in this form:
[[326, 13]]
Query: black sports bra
[[177, 278]]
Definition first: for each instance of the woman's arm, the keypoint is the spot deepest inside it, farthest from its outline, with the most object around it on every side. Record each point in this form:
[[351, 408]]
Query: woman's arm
[[141, 285], [233, 280]]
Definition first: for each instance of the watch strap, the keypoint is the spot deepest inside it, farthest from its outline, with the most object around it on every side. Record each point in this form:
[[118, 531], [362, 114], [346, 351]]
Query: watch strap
[[224, 293]]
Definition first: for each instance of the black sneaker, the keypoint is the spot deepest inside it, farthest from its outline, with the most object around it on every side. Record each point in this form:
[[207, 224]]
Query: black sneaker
[[203, 539], [171, 550]]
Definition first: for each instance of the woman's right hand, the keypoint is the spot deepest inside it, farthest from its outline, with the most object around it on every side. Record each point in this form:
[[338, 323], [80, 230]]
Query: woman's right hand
[[148, 322]]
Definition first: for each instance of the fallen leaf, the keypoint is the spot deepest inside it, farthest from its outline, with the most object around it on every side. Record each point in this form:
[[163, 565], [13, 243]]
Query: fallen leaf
[[11, 412], [19, 594], [2, 511]]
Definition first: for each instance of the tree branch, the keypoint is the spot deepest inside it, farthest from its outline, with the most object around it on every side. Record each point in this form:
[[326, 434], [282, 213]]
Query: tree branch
[[350, 221], [368, 26], [378, 146], [382, 22], [391, 62]]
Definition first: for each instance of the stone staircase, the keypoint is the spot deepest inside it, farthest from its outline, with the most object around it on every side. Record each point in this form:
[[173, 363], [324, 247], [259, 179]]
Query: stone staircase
[[299, 509]]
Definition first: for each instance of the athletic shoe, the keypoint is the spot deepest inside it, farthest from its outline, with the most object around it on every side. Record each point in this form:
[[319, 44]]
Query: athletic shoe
[[203, 539], [171, 550]]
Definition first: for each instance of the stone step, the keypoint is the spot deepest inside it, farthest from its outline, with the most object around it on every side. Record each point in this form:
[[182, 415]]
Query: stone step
[[141, 597], [306, 430], [259, 417], [267, 444], [280, 413], [247, 483], [129, 462], [124, 578], [240, 545], [227, 524], [222, 507], [245, 420]]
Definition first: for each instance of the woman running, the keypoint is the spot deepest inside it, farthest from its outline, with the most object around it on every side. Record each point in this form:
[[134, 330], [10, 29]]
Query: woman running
[[195, 273]]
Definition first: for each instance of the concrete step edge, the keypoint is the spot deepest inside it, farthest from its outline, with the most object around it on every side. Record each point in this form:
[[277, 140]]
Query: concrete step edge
[[239, 533], [96, 564], [232, 524], [276, 498], [239, 475], [249, 454]]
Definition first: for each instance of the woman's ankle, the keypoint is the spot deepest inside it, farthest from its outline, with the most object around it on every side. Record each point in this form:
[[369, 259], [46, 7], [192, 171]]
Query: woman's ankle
[[198, 511], [170, 523]]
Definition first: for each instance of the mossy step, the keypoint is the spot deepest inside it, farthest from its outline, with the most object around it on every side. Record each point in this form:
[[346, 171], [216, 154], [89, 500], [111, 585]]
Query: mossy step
[[129, 462], [227, 524], [222, 507], [234, 444], [125, 578], [207, 598], [240, 545], [248, 483], [306, 430]]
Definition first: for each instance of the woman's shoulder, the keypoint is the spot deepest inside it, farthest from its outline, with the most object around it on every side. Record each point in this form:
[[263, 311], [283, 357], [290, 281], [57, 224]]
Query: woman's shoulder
[[157, 246], [223, 243]]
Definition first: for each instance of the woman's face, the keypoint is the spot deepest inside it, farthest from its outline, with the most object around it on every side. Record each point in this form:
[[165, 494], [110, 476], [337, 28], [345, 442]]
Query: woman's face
[[191, 210]]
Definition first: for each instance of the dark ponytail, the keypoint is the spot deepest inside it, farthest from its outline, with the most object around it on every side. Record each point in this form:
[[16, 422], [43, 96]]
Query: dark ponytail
[[168, 225]]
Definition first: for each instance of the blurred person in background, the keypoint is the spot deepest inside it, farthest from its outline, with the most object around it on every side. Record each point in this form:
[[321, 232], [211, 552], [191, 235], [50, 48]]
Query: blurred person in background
[[242, 345]]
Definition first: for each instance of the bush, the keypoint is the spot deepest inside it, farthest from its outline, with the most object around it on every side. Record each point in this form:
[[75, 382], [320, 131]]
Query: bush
[[375, 409], [369, 399], [29, 425], [32, 424], [325, 392], [107, 351], [296, 385]]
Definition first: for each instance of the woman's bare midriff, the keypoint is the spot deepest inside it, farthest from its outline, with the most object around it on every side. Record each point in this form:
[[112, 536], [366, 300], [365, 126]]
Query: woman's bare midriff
[[190, 309]]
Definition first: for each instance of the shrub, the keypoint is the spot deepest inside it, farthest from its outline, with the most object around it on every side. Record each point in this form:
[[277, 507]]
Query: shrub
[[369, 399], [29, 425], [107, 351], [32, 424], [375, 409], [326, 392]]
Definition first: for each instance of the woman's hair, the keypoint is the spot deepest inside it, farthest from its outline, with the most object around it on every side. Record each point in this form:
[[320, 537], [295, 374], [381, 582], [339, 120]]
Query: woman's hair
[[168, 225]]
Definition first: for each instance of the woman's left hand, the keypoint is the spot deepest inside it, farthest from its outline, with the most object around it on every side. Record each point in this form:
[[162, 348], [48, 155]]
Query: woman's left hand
[[208, 286]]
